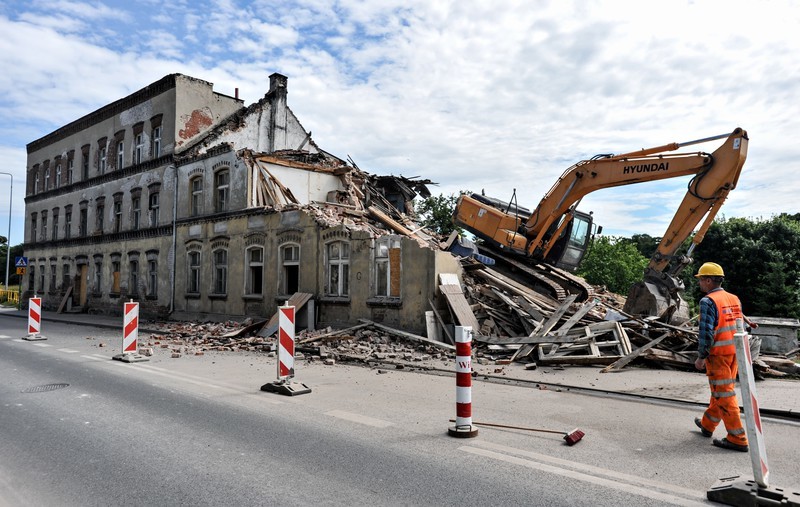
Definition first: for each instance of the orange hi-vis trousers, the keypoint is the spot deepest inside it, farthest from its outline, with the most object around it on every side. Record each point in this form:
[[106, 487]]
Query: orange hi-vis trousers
[[721, 371]]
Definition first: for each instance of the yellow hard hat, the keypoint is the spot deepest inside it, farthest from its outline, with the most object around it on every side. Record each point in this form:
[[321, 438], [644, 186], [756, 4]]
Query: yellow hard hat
[[710, 269]]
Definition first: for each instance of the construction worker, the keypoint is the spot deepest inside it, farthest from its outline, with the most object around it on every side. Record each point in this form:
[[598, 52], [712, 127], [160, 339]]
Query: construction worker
[[717, 354]]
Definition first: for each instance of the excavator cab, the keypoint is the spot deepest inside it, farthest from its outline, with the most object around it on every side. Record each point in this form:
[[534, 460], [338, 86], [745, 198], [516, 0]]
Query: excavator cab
[[569, 250]]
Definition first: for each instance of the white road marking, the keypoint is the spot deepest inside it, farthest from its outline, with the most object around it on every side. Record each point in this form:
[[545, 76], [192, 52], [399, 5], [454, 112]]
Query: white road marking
[[68, 351], [4, 336], [42, 344], [20, 340], [360, 419], [94, 358], [618, 481]]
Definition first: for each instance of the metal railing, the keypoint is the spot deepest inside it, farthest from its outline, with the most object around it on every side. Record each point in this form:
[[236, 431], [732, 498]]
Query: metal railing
[[9, 296]]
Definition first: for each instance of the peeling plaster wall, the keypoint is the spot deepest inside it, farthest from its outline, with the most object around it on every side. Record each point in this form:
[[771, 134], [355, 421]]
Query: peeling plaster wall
[[198, 109]]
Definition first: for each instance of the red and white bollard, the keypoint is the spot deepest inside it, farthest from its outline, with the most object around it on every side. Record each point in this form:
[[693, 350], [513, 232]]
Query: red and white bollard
[[738, 490], [284, 385], [34, 319], [130, 335], [463, 427]]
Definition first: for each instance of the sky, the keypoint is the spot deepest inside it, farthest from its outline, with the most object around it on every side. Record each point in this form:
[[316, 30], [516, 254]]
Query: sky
[[477, 96]]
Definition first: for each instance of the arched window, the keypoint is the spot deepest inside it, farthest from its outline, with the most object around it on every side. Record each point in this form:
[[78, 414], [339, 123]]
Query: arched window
[[221, 190], [337, 266]]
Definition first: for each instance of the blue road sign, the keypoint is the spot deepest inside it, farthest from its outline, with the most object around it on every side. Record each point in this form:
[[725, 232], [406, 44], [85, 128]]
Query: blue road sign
[[21, 262]]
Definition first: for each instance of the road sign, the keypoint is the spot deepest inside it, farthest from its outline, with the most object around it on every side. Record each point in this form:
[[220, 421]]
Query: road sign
[[21, 262], [20, 271]]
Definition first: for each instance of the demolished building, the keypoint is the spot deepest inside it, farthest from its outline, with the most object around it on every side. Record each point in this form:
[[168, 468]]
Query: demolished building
[[196, 206]]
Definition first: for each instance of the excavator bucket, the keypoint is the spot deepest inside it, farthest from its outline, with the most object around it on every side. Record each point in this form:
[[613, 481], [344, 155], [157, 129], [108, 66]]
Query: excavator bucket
[[653, 298]]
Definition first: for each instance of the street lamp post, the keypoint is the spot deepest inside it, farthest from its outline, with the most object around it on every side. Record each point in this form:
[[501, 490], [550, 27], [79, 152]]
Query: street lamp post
[[8, 239]]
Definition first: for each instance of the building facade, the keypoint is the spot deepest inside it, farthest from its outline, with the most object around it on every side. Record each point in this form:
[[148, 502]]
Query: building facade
[[198, 207]]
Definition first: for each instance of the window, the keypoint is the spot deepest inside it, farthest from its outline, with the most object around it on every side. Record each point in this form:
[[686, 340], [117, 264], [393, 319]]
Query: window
[[41, 278], [33, 227], [220, 271], [58, 175], [54, 235], [387, 267], [194, 273], [338, 269], [44, 225], [85, 163], [52, 277], [84, 222], [152, 277], [65, 278], [103, 161], [47, 179], [153, 209], [290, 269], [120, 154], [70, 169], [136, 204], [157, 142], [99, 222], [138, 150], [67, 223], [115, 266], [221, 187], [133, 281], [255, 271], [32, 278], [197, 195], [117, 212], [36, 183], [98, 276]]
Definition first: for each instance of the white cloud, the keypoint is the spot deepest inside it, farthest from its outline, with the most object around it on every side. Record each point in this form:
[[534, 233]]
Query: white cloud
[[471, 95]]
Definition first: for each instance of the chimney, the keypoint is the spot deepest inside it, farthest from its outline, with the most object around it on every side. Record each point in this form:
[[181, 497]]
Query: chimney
[[236, 93], [277, 112]]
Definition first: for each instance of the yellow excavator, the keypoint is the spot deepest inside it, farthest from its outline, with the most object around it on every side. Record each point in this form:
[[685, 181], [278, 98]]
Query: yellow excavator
[[553, 237]]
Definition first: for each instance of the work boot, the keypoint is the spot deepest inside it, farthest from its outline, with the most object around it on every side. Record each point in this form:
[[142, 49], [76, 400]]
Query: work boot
[[725, 444], [704, 431]]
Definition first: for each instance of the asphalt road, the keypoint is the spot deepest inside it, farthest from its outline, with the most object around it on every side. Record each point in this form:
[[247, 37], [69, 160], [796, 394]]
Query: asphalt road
[[197, 431]]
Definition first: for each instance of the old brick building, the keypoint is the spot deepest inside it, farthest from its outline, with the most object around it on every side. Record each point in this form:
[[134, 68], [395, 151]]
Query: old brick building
[[196, 206]]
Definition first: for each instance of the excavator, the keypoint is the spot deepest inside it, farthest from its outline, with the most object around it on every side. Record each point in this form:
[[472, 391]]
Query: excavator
[[549, 241]]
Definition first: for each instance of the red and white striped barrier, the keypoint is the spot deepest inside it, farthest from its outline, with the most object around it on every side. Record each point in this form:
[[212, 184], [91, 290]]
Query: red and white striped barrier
[[130, 333], [285, 342], [34, 319], [463, 427], [752, 418], [284, 385]]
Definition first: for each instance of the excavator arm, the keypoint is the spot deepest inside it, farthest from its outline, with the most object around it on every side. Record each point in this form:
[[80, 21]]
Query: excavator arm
[[534, 235]]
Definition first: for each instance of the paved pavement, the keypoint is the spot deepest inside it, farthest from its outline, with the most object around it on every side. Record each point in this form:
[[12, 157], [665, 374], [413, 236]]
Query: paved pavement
[[692, 387]]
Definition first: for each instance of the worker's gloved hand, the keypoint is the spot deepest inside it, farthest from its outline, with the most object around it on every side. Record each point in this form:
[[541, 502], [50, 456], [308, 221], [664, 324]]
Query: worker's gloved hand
[[700, 364]]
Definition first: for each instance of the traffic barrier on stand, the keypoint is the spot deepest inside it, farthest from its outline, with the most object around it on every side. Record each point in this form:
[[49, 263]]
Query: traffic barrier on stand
[[757, 491], [284, 384], [463, 427], [34, 319], [130, 335]]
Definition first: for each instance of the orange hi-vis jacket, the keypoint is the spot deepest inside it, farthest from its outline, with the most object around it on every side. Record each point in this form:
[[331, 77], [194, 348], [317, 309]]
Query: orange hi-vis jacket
[[728, 310]]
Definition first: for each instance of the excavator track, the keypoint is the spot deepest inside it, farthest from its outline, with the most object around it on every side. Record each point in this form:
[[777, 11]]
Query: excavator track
[[548, 280]]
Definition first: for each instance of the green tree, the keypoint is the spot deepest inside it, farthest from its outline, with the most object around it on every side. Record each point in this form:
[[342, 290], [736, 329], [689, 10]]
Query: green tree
[[436, 213], [612, 262], [761, 260], [644, 243]]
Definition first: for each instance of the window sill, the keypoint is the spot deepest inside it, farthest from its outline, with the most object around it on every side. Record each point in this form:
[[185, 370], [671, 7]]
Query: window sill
[[335, 300], [192, 295], [151, 297], [253, 297], [113, 295], [385, 301], [217, 296]]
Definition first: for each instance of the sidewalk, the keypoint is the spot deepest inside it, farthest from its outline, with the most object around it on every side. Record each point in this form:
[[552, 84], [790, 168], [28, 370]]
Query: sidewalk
[[648, 383]]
